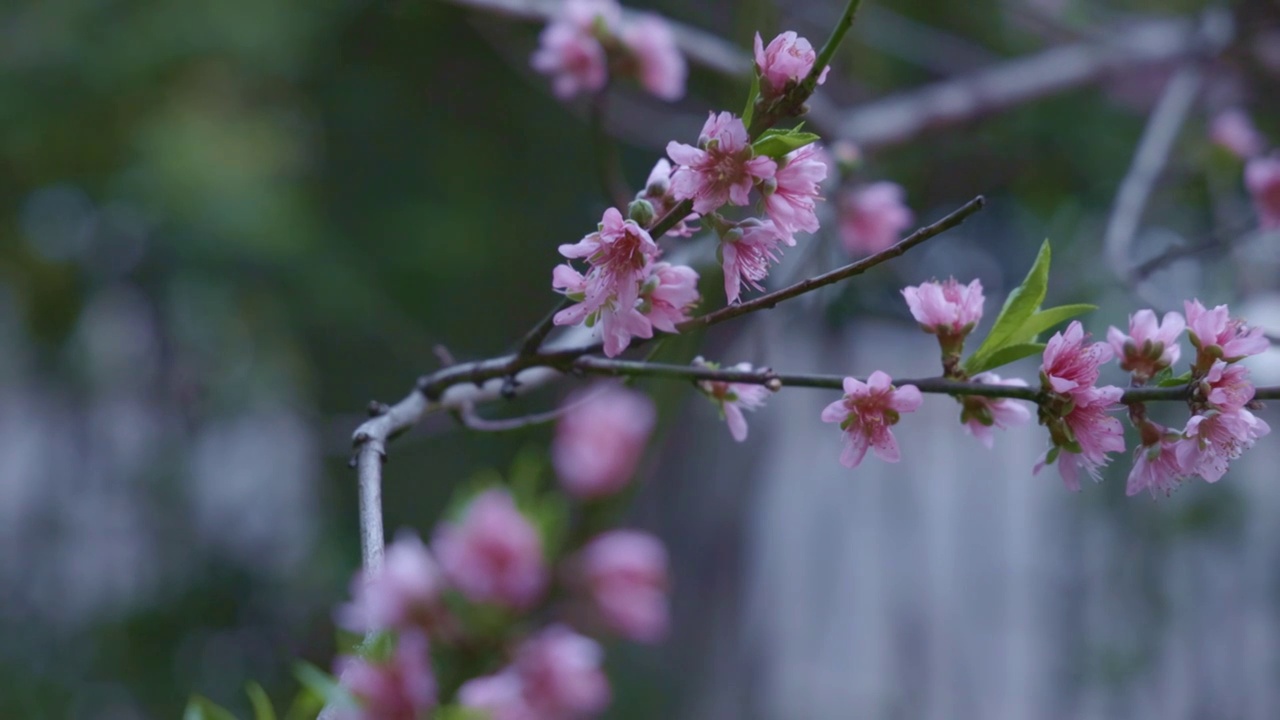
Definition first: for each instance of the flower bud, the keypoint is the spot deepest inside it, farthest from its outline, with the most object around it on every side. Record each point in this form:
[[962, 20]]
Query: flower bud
[[641, 211]]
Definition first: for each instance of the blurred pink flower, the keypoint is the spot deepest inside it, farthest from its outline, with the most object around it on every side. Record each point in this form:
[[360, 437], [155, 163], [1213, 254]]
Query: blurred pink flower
[[501, 696], [872, 217], [405, 593], [1069, 365], [493, 554], [668, 294], [787, 60], [403, 688], [569, 51], [1091, 434], [866, 412], [1212, 440], [721, 169], [1233, 130], [561, 675], [1262, 178], [981, 414], [599, 441], [661, 67], [1156, 467], [733, 398], [625, 573], [946, 308], [791, 197], [1217, 335], [747, 251], [1150, 346]]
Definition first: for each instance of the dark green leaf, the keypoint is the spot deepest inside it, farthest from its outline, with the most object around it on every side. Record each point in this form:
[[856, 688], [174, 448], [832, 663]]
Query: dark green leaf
[[1046, 319], [776, 143], [1006, 355], [749, 113], [1182, 379], [202, 708], [457, 712], [262, 709]]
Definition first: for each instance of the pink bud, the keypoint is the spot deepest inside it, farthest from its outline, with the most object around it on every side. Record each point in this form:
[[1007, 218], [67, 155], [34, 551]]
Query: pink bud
[[600, 439], [625, 573], [946, 308], [1233, 130], [405, 593], [873, 217], [493, 554], [561, 675], [402, 687], [661, 67], [1262, 178], [786, 61]]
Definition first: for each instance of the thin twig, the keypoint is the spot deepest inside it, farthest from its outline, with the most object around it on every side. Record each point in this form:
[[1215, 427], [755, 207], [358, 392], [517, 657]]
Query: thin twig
[[804, 286], [532, 341]]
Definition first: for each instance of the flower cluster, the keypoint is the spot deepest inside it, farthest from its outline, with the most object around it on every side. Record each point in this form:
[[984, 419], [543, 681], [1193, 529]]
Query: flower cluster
[[588, 41]]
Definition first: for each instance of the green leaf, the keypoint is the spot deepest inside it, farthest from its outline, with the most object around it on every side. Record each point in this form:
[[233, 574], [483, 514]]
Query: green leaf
[[457, 712], [1021, 305], [202, 708], [1046, 319], [1182, 379], [1006, 355], [551, 518], [749, 112], [776, 143], [262, 709], [306, 706], [323, 685]]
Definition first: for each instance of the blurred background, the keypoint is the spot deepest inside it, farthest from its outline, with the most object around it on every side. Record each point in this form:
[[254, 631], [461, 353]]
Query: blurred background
[[226, 226]]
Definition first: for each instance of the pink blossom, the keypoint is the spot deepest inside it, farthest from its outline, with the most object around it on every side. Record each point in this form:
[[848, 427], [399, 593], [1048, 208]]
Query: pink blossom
[[403, 688], [1150, 346], [561, 675], [733, 398], [866, 412], [615, 314], [981, 414], [1085, 435], [946, 308], [1069, 365], [1262, 178], [1233, 130], [1156, 467], [493, 554], [873, 217], [625, 572], [1218, 336], [661, 67], [405, 593], [600, 439], [668, 294], [787, 60], [747, 251], [1227, 387], [569, 51], [501, 696], [790, 198], [657, 190], [617, 252], [721, 169], [1212, 440]]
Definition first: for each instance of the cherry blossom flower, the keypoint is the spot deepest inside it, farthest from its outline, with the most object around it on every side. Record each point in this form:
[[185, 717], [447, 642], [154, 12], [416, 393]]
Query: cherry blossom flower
[[1150, 346], [406, 592], [866, 412], [600, 439], [1156, 467], [668, 294], [747, 251], [1213, 439], [657, 190], [618, 253], [625, 574], [501, 696], [946, 308], [661, 67], [1262, 178], [1069, 365], [873, 217], [733, 398], [787, 60], [1233, 130], [1227, 387], [790, 197], [1085, 434], [402, 688], [561, 675], [723, 167], [493, 554], [981, 414], [1217, 335], [569, 51]]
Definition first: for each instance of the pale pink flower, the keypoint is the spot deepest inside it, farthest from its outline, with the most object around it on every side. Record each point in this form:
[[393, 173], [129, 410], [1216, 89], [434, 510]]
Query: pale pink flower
[[790, 197], [1262, 178], [600, 439], [1227, 387], [733, 398], [406, 592], [1070, 366], [493, 554], [569, 51], [625, 573], [1150, 346], [866, 412], [501, 696], [723, 167], [1233, 130], [402, 688], [620, 321], [668, 294], [1212, 440], [747, 251], [1090, 435], [618, 253], [981, 414], [615, 314], [872, 217], [657, 190], [661, 67], [945, 308], [561, 675], [787, 60], [1217, 335], [1156, 467]]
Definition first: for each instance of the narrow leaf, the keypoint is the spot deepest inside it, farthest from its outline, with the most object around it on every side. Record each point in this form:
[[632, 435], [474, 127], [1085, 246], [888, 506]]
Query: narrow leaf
[[1006, 355], [1021, 304], [776, 143], [323, 685], [202, 708], [262, 709], [1046, 319], [749, 112], [1182, 379]]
